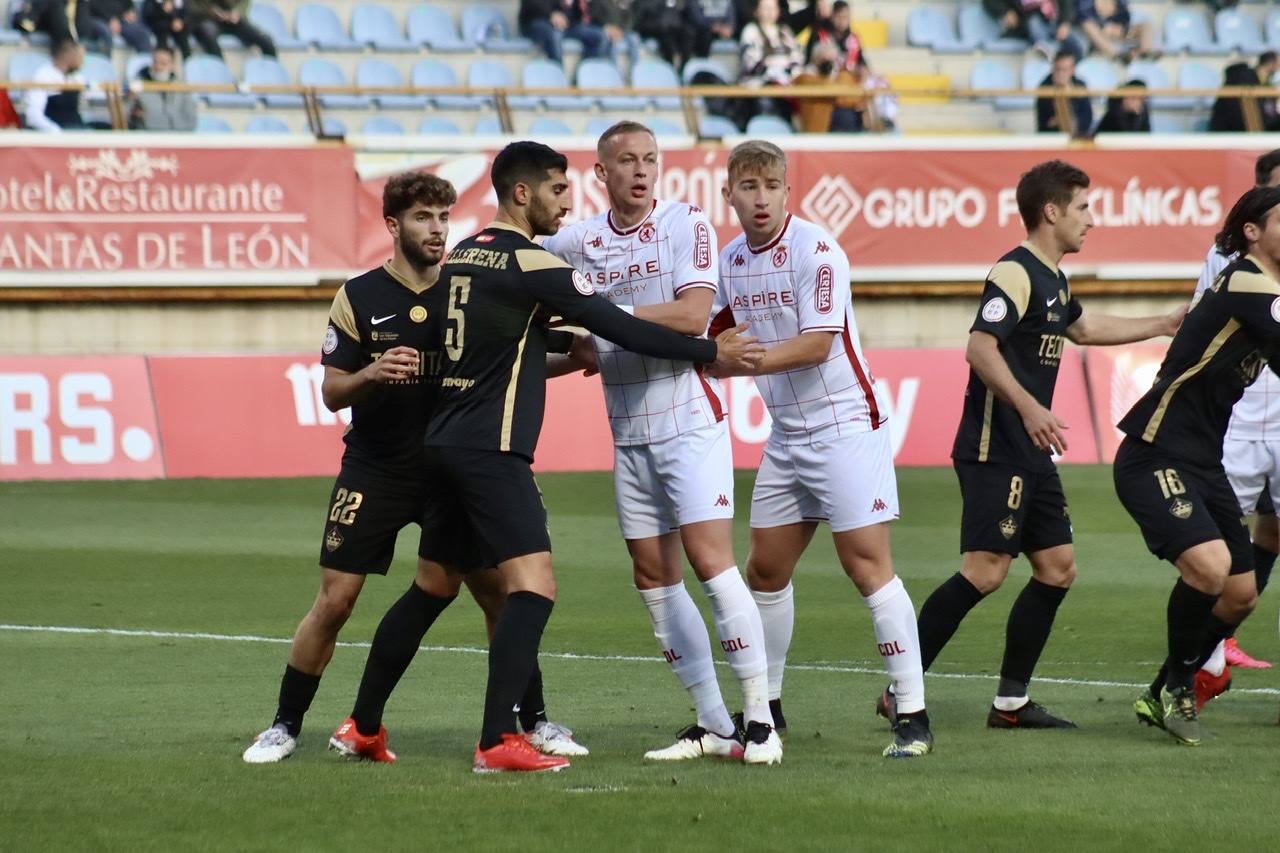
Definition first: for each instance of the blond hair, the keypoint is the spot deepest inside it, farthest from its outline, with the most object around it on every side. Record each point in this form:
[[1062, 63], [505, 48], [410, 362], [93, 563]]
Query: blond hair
[[756, 157]]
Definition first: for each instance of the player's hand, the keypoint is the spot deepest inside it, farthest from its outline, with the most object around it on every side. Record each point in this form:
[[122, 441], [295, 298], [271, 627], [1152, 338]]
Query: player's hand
[[1173, 321], [395, 364], [582, 352], [1045, 429], [737, 353]]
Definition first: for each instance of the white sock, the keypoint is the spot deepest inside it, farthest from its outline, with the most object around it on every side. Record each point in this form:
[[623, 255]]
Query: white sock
[[682, 636], [898, 640], [778, 617], [1009, 704], [742, 637], [1217, 661]]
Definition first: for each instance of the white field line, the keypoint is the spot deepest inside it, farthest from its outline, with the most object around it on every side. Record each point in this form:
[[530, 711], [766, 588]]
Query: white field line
[[468, 650]]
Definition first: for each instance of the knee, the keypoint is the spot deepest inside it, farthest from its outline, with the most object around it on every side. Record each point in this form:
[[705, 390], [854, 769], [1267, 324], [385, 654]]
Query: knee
[[762, 578], [1062, 576], [651, 574], [1236, 605], [986, 575], [1266, 533], [333, 607]]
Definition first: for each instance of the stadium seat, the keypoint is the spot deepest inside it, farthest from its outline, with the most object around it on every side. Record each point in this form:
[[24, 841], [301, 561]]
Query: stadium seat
[[717, 127], [1157, 78], [376, 27], [434, 73], [333, 126], [438, 126], [268, 19], [602, 74], [319, 26], [488, 74], [133, 67], [767, 126], [22, 66], [1098, 73], [211, 70], [664, 128], [1166, 123], [325, 72], [1188, 30], [266, 124], [432, 26], [597, 126], [693, 66], [1273, 28], [656, 74], [265, 71], [487, 126], [930, 27], [9, 36], [980, 30], [1034, 69], [378, 73], [1197, 75], [97, 70], [992, 74], [381, 126], [548, 126], [487, 27], [545, 74], [1238, 30], [212, 124]]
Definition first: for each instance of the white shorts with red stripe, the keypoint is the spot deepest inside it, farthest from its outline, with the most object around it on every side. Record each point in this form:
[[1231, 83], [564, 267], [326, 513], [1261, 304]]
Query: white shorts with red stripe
[[847, 481], [661, 486]]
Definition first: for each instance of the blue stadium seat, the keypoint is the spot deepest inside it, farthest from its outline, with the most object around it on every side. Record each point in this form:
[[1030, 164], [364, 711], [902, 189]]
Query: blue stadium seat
[[319, 26], [210, 69], [1273, 28], [212, 124], [487, 126], [333, 126], [693, 66], [434, 73], [717, 127], [376, 27], [1034, 69], [1157, 78], [267, 18], [933, 28], [438, 126], [1166, 123], [767, 126], [265, 71], [432, 26], [22, 66], [266, 124], [1197, 75], [1098, 73], [97, 69], [325, 72], [488, 74], [664, 128], [381, 126], [980, 30], [487, 27], [597, 126], [1188, 30], [602, 74], [1238, 30], [378, 73], [548, 126], [134, 65], [9, 36], [988, 74], [656, 74], [544, 74]]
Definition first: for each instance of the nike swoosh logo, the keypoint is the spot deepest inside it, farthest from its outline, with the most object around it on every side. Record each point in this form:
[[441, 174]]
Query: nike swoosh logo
[[376, 320], [1049, 303]]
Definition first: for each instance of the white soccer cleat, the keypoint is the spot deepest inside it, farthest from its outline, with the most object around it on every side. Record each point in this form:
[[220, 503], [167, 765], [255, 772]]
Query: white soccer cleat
[[554, 739], [763, 744], [696, 742], [275, 744]]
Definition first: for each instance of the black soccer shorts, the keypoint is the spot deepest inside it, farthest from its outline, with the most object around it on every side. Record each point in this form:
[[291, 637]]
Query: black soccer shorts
[[1008, 509], [366, 512], [1178, 505], [481, 503]]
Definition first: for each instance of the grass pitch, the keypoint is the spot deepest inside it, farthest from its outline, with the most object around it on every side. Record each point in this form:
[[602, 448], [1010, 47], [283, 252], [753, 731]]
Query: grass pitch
[[132, 739]]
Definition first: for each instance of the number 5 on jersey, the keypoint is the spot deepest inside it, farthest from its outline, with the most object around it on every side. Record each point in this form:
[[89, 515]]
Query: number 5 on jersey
[[459, 293]]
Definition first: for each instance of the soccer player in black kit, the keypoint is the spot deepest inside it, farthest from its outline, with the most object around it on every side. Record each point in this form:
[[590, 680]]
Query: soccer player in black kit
[[1168, 470], [1012, 496], [502, 292]]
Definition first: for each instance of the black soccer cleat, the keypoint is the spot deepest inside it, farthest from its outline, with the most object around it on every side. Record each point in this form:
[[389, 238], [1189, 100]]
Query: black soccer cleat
[[911, 737], [775, 710], [1030, 716], [763, 746]]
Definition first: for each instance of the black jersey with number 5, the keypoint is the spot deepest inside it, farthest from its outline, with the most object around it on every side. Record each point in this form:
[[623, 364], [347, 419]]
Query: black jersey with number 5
[[1027, 306]]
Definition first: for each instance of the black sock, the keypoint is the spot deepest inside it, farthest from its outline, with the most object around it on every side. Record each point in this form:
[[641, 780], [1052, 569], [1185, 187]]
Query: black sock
[[297, 689], [1215, 632], [1263, 561], [1188, 616], [1030, 621], [533, 708], [513, 653], [394, 644], [942, 613]]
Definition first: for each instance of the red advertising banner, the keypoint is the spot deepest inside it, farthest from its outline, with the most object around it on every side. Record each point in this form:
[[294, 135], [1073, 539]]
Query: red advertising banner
[[1119, 376], [77, 419], [183, 210]]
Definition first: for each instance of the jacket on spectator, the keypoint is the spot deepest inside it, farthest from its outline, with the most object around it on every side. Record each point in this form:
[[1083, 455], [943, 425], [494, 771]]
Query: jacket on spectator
[[597, 12], [1228, 113], [206, 8], [155, 110], [108, 9], [1088, 10], [775, 61], [704, 13], [52, 110], [1119, 120], [997, 9], [61, 20], [1047, 115]]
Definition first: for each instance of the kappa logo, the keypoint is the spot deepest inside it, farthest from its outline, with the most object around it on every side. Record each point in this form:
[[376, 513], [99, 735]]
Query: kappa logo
[[739, 262], [821, 249], [1009, 527], [832, 203], [693, 208], [647, 232], [879, 506], [597, 243], [1181, 509], [722, 501], [333, 540], [780, 256], [701, 247]]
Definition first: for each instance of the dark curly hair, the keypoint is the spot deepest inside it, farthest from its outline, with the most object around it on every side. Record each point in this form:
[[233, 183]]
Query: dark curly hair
[[406, 189]]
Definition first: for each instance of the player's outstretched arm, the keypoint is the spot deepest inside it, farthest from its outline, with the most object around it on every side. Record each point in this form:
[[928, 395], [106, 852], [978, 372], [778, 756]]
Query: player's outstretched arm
[[581, 356], [341, 389], [689, 313], [1107, 330], [1044, 427]]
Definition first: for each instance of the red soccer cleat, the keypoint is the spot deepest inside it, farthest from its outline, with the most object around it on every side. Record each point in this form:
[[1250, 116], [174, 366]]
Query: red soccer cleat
[[348, 741], [515, 754], [1237, 656], [1209, 686]]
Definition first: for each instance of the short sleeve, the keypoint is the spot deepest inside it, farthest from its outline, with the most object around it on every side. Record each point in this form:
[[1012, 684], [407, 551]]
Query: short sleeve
[[341, 348], [1004, 300], [694, 252], [821, 285], [1255, 304], [1074, 310]]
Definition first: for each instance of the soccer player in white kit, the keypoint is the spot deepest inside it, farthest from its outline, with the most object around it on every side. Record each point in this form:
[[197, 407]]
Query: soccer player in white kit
[[673, 463], [829, 456]]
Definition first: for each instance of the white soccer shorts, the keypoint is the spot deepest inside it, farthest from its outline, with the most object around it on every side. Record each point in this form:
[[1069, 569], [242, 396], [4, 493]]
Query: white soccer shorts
[[662, 486], [1250, 465], [846, 481]]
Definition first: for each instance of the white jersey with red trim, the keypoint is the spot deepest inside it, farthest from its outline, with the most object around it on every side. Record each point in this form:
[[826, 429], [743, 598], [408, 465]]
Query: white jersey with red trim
[[797, 283], [671, 250]]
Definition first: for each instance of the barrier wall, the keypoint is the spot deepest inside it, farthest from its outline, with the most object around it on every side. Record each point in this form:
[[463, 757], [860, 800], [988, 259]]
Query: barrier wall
[[261, 416]]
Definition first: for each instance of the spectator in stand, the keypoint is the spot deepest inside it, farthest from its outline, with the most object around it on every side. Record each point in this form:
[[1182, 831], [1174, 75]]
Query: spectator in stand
[[1044, 23], [1266, 69], [208, 19], [710, 20], [62, 21], [595, 23], [121, 19], [1228, 114], [813, 19], [770, 56], [667, 23], [166, 19], [1128, 114], [1114, 31], [54, 110], [152, 109], [1063, 76], [829, 115]]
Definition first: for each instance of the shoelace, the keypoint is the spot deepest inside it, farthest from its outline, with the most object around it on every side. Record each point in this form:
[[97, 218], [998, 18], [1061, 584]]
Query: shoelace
[[1185, 706], [273, 737], [555, 731]]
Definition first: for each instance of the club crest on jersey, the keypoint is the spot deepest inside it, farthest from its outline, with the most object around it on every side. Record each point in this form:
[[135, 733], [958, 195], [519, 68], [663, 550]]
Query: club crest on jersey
[[485, 238], [582, 284], [332, 540], [995, 310], [1009, 527], [1275, 309], [701, 247], [330, 340], [1181, 509], [822, 298], [418, 314], [647, 232], [780, 256]]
